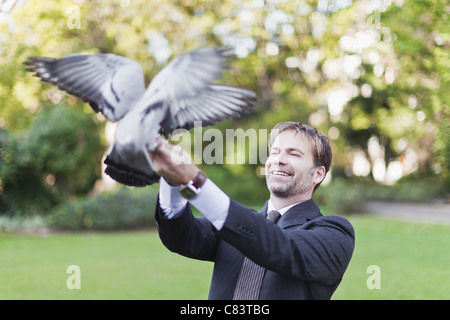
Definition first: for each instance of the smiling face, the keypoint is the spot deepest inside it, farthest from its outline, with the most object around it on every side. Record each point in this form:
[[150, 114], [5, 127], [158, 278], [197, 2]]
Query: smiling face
[[290, 170]]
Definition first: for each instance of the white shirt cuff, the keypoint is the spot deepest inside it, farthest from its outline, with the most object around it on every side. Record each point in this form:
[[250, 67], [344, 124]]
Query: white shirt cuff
[[211, 201], [171, 202]]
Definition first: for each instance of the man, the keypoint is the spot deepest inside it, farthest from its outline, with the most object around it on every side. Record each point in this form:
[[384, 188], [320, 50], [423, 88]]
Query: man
[[302, 255]]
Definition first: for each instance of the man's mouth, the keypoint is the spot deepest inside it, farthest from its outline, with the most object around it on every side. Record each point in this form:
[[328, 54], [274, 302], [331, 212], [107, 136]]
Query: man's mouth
[[280, 173]]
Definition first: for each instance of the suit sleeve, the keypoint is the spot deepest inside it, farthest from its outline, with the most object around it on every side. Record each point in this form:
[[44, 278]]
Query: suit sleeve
[[319, 250], [187, 235]]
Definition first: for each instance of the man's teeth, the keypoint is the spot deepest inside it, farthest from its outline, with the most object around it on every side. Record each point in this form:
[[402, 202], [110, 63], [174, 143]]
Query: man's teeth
[[280, 173]]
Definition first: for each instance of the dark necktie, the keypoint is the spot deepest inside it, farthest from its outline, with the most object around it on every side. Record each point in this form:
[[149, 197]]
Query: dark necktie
[[251, 276]]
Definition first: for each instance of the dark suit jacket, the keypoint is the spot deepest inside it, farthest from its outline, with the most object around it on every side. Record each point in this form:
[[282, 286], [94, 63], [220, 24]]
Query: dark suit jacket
[[305, 254]]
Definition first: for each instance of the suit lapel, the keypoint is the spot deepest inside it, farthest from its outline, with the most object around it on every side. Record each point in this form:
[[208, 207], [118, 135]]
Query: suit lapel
[[264, 208], [297, 215]]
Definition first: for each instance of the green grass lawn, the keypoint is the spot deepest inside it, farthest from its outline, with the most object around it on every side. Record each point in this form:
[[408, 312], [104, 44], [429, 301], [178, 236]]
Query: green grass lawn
[[414, 261]]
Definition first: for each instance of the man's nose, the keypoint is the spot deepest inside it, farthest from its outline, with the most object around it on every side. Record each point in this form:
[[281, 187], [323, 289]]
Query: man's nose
[[280, 158]]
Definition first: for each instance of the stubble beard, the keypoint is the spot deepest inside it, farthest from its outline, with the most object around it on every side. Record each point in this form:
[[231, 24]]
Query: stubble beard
[[293, 188]]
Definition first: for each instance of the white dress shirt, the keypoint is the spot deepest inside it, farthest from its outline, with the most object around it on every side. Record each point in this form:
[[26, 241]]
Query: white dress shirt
[[283, 210]]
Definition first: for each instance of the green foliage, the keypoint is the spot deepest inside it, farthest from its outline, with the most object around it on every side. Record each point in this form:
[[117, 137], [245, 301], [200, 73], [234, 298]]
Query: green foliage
[[57, 158], [23, 190], [124, 208], [22, 224], [419, 32], [65, 142], [339, 197], [245, 187], [408, 189], [347, 196]]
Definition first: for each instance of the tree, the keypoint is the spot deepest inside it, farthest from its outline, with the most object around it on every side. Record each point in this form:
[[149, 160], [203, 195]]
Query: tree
[[58, 158]]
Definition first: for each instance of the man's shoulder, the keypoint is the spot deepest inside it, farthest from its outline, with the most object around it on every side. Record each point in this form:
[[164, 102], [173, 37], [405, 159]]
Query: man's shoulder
[[333, 221]]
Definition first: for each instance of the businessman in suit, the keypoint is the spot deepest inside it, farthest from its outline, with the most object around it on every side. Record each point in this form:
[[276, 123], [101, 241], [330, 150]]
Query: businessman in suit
[[287, 250]]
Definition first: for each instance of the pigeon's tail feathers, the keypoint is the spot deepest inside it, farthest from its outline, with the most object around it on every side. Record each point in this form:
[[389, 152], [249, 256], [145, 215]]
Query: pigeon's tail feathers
[[131, 169], [127, 176]]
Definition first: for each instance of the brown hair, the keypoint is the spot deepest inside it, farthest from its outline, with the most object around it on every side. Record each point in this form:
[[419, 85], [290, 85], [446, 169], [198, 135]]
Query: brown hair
[[320, 146]]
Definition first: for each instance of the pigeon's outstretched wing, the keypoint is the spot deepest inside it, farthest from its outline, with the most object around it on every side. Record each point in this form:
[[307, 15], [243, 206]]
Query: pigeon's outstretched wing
[[186, 86], [210, 105], [111, 84]]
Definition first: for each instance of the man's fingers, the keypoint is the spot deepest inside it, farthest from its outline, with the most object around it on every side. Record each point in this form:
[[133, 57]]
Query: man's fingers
[[158, 141], [166, 155], [161, 150], [172, 162]]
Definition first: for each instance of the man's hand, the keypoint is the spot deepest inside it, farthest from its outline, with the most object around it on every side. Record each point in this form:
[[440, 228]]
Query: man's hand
[[173, 163]]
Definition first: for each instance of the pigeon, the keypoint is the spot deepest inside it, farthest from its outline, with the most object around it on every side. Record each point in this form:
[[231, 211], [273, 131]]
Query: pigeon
[[182, 93]]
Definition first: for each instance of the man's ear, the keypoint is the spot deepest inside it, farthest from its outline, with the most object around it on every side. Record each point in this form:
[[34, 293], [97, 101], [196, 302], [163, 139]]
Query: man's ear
[[319, 174]]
